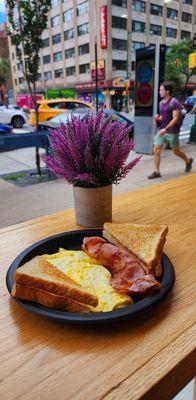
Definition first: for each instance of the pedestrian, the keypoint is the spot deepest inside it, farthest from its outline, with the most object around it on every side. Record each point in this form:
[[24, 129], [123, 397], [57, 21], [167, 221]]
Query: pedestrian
[[169, 123]]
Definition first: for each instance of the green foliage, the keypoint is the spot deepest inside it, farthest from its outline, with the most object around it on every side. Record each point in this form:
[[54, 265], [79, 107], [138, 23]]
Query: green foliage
[[27, 21], [4, 71], [179, 54]]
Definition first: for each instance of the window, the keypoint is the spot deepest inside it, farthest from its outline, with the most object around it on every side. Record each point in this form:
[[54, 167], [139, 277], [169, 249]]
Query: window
[[133, 66], [119, 64], [69, 53], [118, 22], [57, 56], [137, 45], [21, 80], [20, 69], [67, 15], [16, 82], [82, 8], [70, 71], [139, 5], [138, 26], [119, 44], [39, 77], [188, 2], [172, 14], [69, 34], [54, 3], [46, 59], [46, 42], [83, 29], [170, 32], [156, 29], [56, 38], [47, 75], [84, 69], [185, 35], [12, 56], [58, 73], [156, 10], [186, 17], [55, 20], [120, 3], [83, 49]]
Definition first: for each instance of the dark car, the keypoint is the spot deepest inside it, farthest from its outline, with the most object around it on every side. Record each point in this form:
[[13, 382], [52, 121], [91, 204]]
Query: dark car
[[116, 116], [5, 129]]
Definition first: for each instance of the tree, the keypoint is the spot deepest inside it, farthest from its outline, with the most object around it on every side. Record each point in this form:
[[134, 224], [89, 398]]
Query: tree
[[27, 21], [4, 75], [177, 59]]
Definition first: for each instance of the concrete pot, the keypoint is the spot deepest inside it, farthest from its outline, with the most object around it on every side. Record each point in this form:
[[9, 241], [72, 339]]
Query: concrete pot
[[93, 206]]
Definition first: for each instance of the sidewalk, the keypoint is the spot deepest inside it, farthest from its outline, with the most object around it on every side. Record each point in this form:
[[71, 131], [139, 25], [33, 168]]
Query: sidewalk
[[20, 204]]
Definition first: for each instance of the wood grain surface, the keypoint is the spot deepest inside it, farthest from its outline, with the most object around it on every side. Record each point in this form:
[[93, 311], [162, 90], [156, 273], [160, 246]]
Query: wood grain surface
[[150, 359]]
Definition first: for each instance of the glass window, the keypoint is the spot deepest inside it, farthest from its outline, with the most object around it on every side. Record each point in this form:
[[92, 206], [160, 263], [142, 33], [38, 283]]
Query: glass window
[[118, 22], [120, 3], [170, 32], [67, 15], [139, 6], [82, 8], [137, 45], [188, 1], [70, 53], [133, 66], [69, 34], [83, 29], [47, 75], [156, 29], [46, 59], [119, 44], [83, 49], [58, 73], [57, 56], [21, 80], [172, 14], [39, 77], [138, 26], [56, 38], [84, 69], [16, 82], [185, 35], [54, 3], [186, 17], [55, 20], [119, 64], [70, 71], [46, 42], [156, 10]]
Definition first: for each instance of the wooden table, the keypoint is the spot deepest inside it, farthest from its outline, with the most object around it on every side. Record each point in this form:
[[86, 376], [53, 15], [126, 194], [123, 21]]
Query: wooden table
[[151, 359]]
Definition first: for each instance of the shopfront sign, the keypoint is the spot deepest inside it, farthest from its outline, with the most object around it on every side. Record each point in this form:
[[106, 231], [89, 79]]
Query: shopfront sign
[[103, 24], [100, 70]]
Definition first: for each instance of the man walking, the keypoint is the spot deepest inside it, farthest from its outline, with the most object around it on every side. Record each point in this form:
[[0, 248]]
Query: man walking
[[169, 122]]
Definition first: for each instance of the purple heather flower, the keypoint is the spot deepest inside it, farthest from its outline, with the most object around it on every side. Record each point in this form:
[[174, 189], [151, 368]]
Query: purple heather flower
[[90, 152]]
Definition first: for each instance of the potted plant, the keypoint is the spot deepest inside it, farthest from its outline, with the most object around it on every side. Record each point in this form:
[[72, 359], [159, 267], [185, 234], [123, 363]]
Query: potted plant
[[90, 153]]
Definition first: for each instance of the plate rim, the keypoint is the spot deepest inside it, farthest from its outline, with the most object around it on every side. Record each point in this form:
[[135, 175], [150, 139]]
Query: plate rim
[[130, 311]]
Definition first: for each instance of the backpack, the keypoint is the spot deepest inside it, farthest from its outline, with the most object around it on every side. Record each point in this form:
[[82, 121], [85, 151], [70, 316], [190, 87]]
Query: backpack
[[183, 113]]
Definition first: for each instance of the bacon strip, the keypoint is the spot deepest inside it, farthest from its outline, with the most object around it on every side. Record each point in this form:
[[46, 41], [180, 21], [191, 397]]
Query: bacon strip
[[128, 276]]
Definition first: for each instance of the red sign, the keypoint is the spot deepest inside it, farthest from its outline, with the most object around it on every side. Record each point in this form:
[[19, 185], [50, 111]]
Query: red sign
[[91, 85], [100, 70], [103, 36], [144, 93]]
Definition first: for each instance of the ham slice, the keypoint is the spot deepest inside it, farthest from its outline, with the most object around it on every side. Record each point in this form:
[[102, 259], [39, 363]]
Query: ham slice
[[128, 276]]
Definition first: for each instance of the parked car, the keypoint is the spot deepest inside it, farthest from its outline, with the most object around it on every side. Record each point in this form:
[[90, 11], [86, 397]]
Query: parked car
[[125, 119], [5, 129], [48, 109], [16, 118]]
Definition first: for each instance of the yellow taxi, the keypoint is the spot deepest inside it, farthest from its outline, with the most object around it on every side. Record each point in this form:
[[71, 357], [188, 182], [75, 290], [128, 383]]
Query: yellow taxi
[[48, 109]]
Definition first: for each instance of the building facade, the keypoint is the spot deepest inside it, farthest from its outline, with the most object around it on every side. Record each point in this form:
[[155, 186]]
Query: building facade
[[5, 91], [67, 60]]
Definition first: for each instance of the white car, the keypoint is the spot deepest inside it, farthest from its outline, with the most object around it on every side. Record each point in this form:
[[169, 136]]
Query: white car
[[16, 118]]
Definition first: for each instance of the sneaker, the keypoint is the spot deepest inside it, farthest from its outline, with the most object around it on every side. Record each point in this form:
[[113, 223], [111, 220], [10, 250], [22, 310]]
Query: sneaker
[[189, 165], [154, 175]]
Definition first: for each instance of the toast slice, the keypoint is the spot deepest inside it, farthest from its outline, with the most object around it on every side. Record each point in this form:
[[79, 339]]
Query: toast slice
[[48, 299], [39, 274], [144, 242]]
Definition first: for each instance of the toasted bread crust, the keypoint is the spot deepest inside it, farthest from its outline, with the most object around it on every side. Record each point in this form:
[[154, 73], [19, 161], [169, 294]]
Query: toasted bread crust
[[48, 299], [145, 242], [63, 286]]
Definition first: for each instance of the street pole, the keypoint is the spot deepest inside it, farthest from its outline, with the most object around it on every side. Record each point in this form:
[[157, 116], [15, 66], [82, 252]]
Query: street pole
[[96, 75], [127, 75]]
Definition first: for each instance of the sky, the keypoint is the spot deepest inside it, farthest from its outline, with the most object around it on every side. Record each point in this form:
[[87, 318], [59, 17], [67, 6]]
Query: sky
[[2, 11]]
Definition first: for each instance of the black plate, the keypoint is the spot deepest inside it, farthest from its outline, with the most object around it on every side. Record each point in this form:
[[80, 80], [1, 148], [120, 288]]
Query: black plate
[[73, 241]]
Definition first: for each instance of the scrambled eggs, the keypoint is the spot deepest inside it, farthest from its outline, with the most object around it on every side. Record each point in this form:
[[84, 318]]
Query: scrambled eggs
[[85, 271]]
